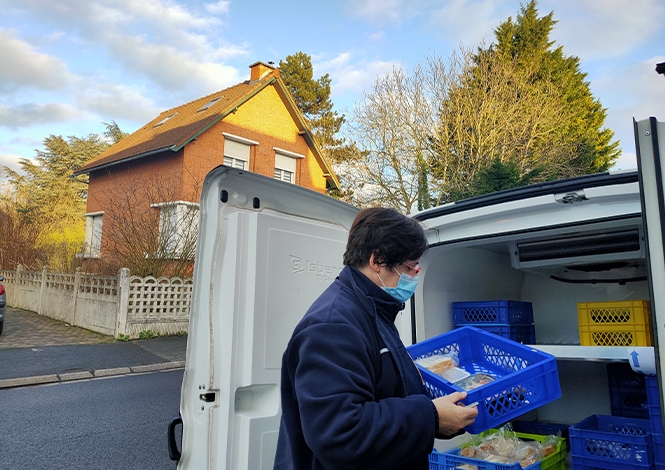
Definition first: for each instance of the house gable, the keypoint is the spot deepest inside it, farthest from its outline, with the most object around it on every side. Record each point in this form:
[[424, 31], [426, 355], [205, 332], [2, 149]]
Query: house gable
[[175, 128]]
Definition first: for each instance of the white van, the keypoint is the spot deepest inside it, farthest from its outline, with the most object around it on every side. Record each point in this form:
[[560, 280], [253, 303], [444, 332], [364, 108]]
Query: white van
[[267, 249]]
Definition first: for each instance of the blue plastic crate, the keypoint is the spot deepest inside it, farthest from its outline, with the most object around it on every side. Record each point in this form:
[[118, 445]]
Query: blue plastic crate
[[588, 463], [628, 391], [612, 439], [452, 459], [524, 378], [525, 334], [496, 311], [653, 399], [658, 451]]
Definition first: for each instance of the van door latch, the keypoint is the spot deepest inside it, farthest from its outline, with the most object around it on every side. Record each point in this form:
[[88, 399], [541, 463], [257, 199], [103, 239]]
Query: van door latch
[[207, 397], [571, 198]]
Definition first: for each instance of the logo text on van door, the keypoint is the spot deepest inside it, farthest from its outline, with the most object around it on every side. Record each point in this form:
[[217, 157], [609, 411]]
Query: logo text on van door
[[323, 272]]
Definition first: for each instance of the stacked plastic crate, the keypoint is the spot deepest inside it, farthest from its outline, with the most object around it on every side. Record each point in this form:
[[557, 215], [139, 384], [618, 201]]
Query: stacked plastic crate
[[628, 439], [624, 323], [507, 318], [655, 418], [612, 443], [628, 391]]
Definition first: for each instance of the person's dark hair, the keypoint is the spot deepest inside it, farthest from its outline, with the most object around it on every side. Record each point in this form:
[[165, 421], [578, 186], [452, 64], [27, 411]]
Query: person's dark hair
[[392, 237]]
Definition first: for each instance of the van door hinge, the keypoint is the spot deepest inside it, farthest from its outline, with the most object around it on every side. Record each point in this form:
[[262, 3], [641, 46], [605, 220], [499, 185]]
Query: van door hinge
[[571, 198]]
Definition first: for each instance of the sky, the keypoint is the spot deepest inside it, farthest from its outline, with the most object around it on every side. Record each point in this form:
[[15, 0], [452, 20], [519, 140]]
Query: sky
[[68, 66]]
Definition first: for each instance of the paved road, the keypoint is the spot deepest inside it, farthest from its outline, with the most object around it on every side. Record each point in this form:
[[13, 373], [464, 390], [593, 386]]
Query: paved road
[[42, 350]]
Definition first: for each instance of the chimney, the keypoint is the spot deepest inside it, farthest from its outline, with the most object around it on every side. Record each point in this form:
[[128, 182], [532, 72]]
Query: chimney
[[260, 70]]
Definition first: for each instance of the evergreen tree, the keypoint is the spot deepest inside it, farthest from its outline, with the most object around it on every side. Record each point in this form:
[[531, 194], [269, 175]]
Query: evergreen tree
[[520, 101], [527, 42], [313, 99], [54, 201]]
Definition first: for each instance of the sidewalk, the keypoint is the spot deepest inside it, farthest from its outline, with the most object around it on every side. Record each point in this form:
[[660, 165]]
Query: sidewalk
[[36, 350]]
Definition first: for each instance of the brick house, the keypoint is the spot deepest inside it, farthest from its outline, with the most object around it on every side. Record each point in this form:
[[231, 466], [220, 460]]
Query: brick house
[[157, 171]]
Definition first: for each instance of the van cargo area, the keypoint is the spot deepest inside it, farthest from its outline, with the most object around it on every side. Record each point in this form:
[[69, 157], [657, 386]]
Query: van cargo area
[[581, 245]]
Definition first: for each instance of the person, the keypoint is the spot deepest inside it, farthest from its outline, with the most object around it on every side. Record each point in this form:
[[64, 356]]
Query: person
[[351, 396]]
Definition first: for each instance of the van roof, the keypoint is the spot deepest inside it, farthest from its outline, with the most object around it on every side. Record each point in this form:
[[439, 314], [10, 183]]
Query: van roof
[[533, 190]]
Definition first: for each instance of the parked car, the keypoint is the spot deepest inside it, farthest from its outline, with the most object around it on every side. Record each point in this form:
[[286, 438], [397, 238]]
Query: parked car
[[3, 303]]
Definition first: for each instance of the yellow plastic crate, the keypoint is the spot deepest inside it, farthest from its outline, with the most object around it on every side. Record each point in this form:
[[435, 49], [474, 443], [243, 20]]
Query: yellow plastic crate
[[624, 323]]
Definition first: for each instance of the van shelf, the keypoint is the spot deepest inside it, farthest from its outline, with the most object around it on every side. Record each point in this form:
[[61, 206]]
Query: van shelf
[[593, 353]]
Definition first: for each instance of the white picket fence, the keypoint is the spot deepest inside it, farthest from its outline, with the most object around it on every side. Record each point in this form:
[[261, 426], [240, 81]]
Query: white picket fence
[[112, 305]]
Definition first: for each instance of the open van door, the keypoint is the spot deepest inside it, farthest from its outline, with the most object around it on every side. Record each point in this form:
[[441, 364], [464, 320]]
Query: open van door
[[650, 146], [266, 250]]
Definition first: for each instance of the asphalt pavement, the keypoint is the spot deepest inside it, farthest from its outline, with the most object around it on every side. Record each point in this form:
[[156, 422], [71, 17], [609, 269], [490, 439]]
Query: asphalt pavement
[[35, 349]]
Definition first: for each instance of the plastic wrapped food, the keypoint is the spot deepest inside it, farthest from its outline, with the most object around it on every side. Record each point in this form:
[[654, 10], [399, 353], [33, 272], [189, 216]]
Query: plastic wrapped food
[[474, 381], [504, 447], [438, 363]]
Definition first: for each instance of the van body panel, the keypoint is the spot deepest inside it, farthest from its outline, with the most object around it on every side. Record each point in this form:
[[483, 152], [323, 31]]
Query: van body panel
[[650, 146], [266, 250]]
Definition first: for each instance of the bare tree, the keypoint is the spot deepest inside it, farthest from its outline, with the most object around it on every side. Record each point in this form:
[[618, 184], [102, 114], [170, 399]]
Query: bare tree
[[150, 227], [392, 124]]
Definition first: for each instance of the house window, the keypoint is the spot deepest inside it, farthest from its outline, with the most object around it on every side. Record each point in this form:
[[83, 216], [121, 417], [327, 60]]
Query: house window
[[93, 234], [164, 120], [236, 151], [178, 228], [285, 165], [208, 104]]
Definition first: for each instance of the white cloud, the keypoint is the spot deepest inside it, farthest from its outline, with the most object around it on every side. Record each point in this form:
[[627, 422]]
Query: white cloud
[[28, 114], [633, 91], [10, 161], [380, 11], [626, 161], [22, 66], [171, 68], [161, 40], [596, 30], [347, 76], [117, 102], [219, 8], [468, 21]]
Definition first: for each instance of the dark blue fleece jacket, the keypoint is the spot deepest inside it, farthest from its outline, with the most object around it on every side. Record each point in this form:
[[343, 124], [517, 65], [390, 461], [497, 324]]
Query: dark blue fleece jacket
[[351, 396]]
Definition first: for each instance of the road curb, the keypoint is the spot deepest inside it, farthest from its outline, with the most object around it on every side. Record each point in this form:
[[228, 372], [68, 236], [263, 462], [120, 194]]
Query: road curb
[[86, 375]]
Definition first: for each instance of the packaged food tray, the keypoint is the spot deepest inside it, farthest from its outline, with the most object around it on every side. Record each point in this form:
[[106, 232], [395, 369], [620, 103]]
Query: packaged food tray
[[628, 391], [602, 440], [496, 311], [626, 323], [452, 459], [525, 334], [524, 378]]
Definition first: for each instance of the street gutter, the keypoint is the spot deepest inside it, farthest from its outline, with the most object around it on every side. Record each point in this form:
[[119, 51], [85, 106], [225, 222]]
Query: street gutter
[[86, 375]]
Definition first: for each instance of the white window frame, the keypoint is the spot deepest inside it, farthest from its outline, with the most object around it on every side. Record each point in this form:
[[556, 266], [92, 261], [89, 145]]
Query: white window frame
[[179, 225], [237, 151], [286, 164], [93, 234]]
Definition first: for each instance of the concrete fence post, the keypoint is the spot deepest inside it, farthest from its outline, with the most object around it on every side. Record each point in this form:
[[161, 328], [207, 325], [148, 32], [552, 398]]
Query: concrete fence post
[[43, 288], [77, 285], [123, 302]]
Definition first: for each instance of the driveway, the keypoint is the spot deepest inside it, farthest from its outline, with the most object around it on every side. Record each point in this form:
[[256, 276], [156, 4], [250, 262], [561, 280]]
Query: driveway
[[26, 329]]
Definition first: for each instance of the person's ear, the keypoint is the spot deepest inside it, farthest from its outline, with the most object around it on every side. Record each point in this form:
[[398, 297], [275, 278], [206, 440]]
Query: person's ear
[[374, 263]]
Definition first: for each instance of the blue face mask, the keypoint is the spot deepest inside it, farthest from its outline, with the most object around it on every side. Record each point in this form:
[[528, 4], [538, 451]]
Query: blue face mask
[[405, 288]]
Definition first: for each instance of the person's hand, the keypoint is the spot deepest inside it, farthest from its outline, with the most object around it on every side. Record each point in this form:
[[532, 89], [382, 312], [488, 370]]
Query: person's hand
[[453, 416]]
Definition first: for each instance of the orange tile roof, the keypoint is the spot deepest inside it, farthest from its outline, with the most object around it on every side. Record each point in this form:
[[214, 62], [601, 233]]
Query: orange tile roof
[[186, 122]]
